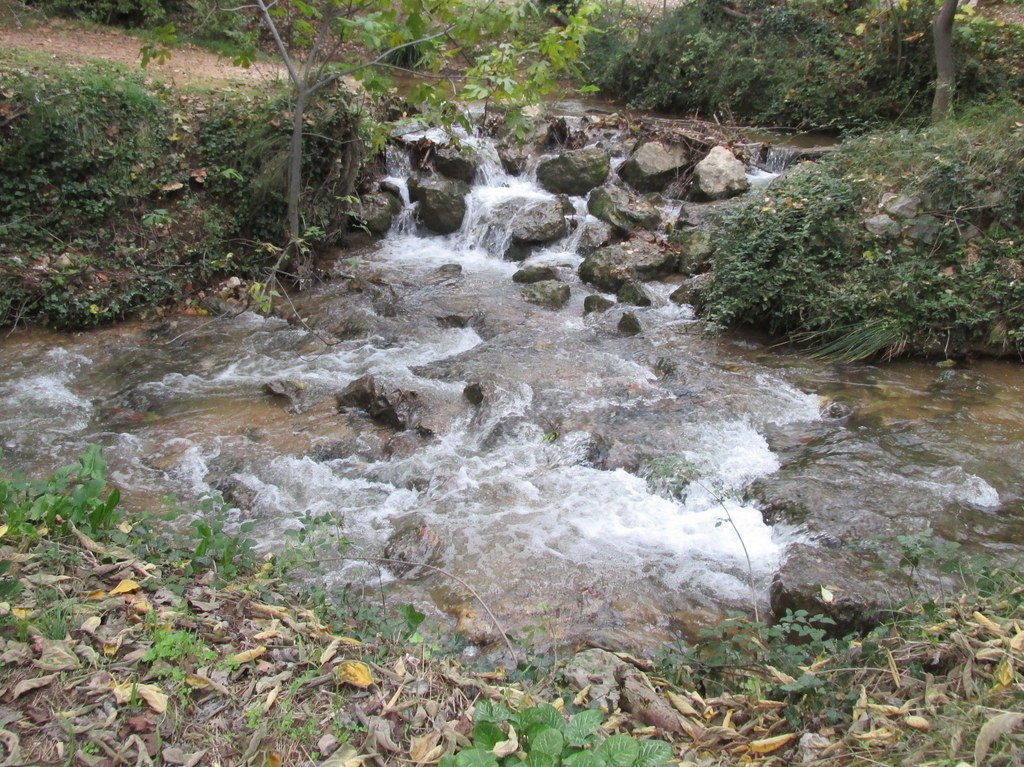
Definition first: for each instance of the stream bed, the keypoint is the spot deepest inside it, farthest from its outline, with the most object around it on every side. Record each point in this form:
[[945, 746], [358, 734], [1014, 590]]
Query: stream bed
[[602, 486]]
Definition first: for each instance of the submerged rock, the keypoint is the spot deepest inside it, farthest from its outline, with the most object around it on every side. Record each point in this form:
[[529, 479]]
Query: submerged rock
[[611, 267], [575, 172], [629, 325], [294, 393], [442, 203], [396, 409], [653, 166], [718, 176], [413, 543]]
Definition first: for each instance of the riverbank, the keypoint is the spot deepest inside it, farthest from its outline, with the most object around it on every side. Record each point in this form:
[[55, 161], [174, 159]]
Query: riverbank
[[168, 642]]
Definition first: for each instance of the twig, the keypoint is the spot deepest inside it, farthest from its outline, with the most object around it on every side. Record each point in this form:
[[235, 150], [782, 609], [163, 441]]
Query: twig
[[746, 554]]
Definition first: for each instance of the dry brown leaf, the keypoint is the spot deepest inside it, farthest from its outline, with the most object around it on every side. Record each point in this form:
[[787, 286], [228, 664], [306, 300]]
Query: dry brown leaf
[[271, 611], [126, 586], [248, 655], [1017, 643], [125, 692], [56, 655], [330, 651], [27, 685], [508, 746], [768, 745], [1004, 674], [347, 755], [90, 624], [879, 733], [993, 729], [780, 676], [424, 748], [355, 673]]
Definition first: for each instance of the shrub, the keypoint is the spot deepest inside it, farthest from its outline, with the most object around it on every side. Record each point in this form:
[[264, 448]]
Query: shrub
[[797, 259]]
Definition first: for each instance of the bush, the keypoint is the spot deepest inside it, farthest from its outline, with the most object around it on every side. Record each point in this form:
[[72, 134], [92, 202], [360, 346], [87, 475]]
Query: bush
[[802, 64], [797, 259], [132, 13]]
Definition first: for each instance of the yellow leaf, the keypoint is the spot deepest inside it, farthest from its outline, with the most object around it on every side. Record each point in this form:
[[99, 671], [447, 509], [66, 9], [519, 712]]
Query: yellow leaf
[[827, 596], [768, 745], [96, 595], [1004, 674], [21, 613], [3, 530], [272, 759], [330, 651], [154, 696], [1017, 643], [880, 733], [355, 673], [988, 623], [126, 586], [917, 723], [248, 655], [271, 698], [125, 528], [141, 605]]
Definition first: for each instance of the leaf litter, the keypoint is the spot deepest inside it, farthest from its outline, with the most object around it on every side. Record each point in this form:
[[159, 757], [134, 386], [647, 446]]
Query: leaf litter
[[107, 660]]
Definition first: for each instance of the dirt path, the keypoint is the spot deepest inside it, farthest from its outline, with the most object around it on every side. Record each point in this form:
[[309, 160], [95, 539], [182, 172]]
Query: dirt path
[[186, 66]]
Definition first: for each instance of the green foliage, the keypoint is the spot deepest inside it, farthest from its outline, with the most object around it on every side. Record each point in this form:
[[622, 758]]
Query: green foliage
[[177, 647], [76, 495], [796, 259], [548, 739], [132, 13], [801, 63]]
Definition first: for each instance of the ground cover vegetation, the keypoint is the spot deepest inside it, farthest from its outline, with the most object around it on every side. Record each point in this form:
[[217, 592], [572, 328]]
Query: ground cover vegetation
[[165, 638], [803, 258]]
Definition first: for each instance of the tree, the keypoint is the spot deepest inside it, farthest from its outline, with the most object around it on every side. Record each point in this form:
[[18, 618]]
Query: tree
[[317, 56], [945, 66]]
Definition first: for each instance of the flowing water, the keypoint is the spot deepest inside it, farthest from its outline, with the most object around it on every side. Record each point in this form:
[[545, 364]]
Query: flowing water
[[604, 487]]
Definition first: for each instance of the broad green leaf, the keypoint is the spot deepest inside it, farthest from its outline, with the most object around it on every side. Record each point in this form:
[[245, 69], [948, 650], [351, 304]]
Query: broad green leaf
[[585, 759], [486, 734], [582, 726], [546, 740], [542, 714], [475, 757], [486, 711], [653, 753], [537, 759], [619, 750]]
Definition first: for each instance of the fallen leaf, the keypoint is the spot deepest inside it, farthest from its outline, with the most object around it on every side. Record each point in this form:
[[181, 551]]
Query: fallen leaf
[[248, 655], [90, 624], [347, 755], [507, 747], [917, 723], [271, 698], [1004, 674], [3, 530], [425, 748], [355, 673], [126, 586], [27, 685], [125, 692], [827, 596], [993, 729], [989, 624], [56, 655]]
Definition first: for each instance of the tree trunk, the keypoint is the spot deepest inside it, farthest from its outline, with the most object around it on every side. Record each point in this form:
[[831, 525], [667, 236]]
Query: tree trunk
[[295, 167], [945, 68]]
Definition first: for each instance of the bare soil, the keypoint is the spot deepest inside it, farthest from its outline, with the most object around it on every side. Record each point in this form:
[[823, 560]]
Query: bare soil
[[187, 65]]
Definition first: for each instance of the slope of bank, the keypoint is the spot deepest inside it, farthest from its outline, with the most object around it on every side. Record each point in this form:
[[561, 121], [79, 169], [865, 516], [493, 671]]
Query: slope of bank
[[165, 640]]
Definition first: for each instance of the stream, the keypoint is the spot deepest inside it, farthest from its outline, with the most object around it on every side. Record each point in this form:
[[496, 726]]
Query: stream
[[607, 487]]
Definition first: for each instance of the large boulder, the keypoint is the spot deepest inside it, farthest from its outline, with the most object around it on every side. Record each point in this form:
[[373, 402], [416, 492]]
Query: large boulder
[[718, 176], [611, 267], [853, 588], [458, 163], [624, 211], [575, 172], [442, 203], [538, 222], [594, 233], [653, 166], [375, 212], [695, 250]]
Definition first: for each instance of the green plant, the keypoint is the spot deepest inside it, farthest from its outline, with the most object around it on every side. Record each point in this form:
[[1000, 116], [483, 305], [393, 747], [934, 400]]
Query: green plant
[[175, 646], [228, 551], [76, 495], [548, 739]]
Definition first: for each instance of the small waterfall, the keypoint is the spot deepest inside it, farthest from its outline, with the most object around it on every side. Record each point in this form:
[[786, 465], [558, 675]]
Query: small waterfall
[[778, 158]]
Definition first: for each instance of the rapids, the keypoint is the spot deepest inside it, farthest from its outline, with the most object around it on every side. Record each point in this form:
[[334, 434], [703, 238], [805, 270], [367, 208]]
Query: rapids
[[603, 489]]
